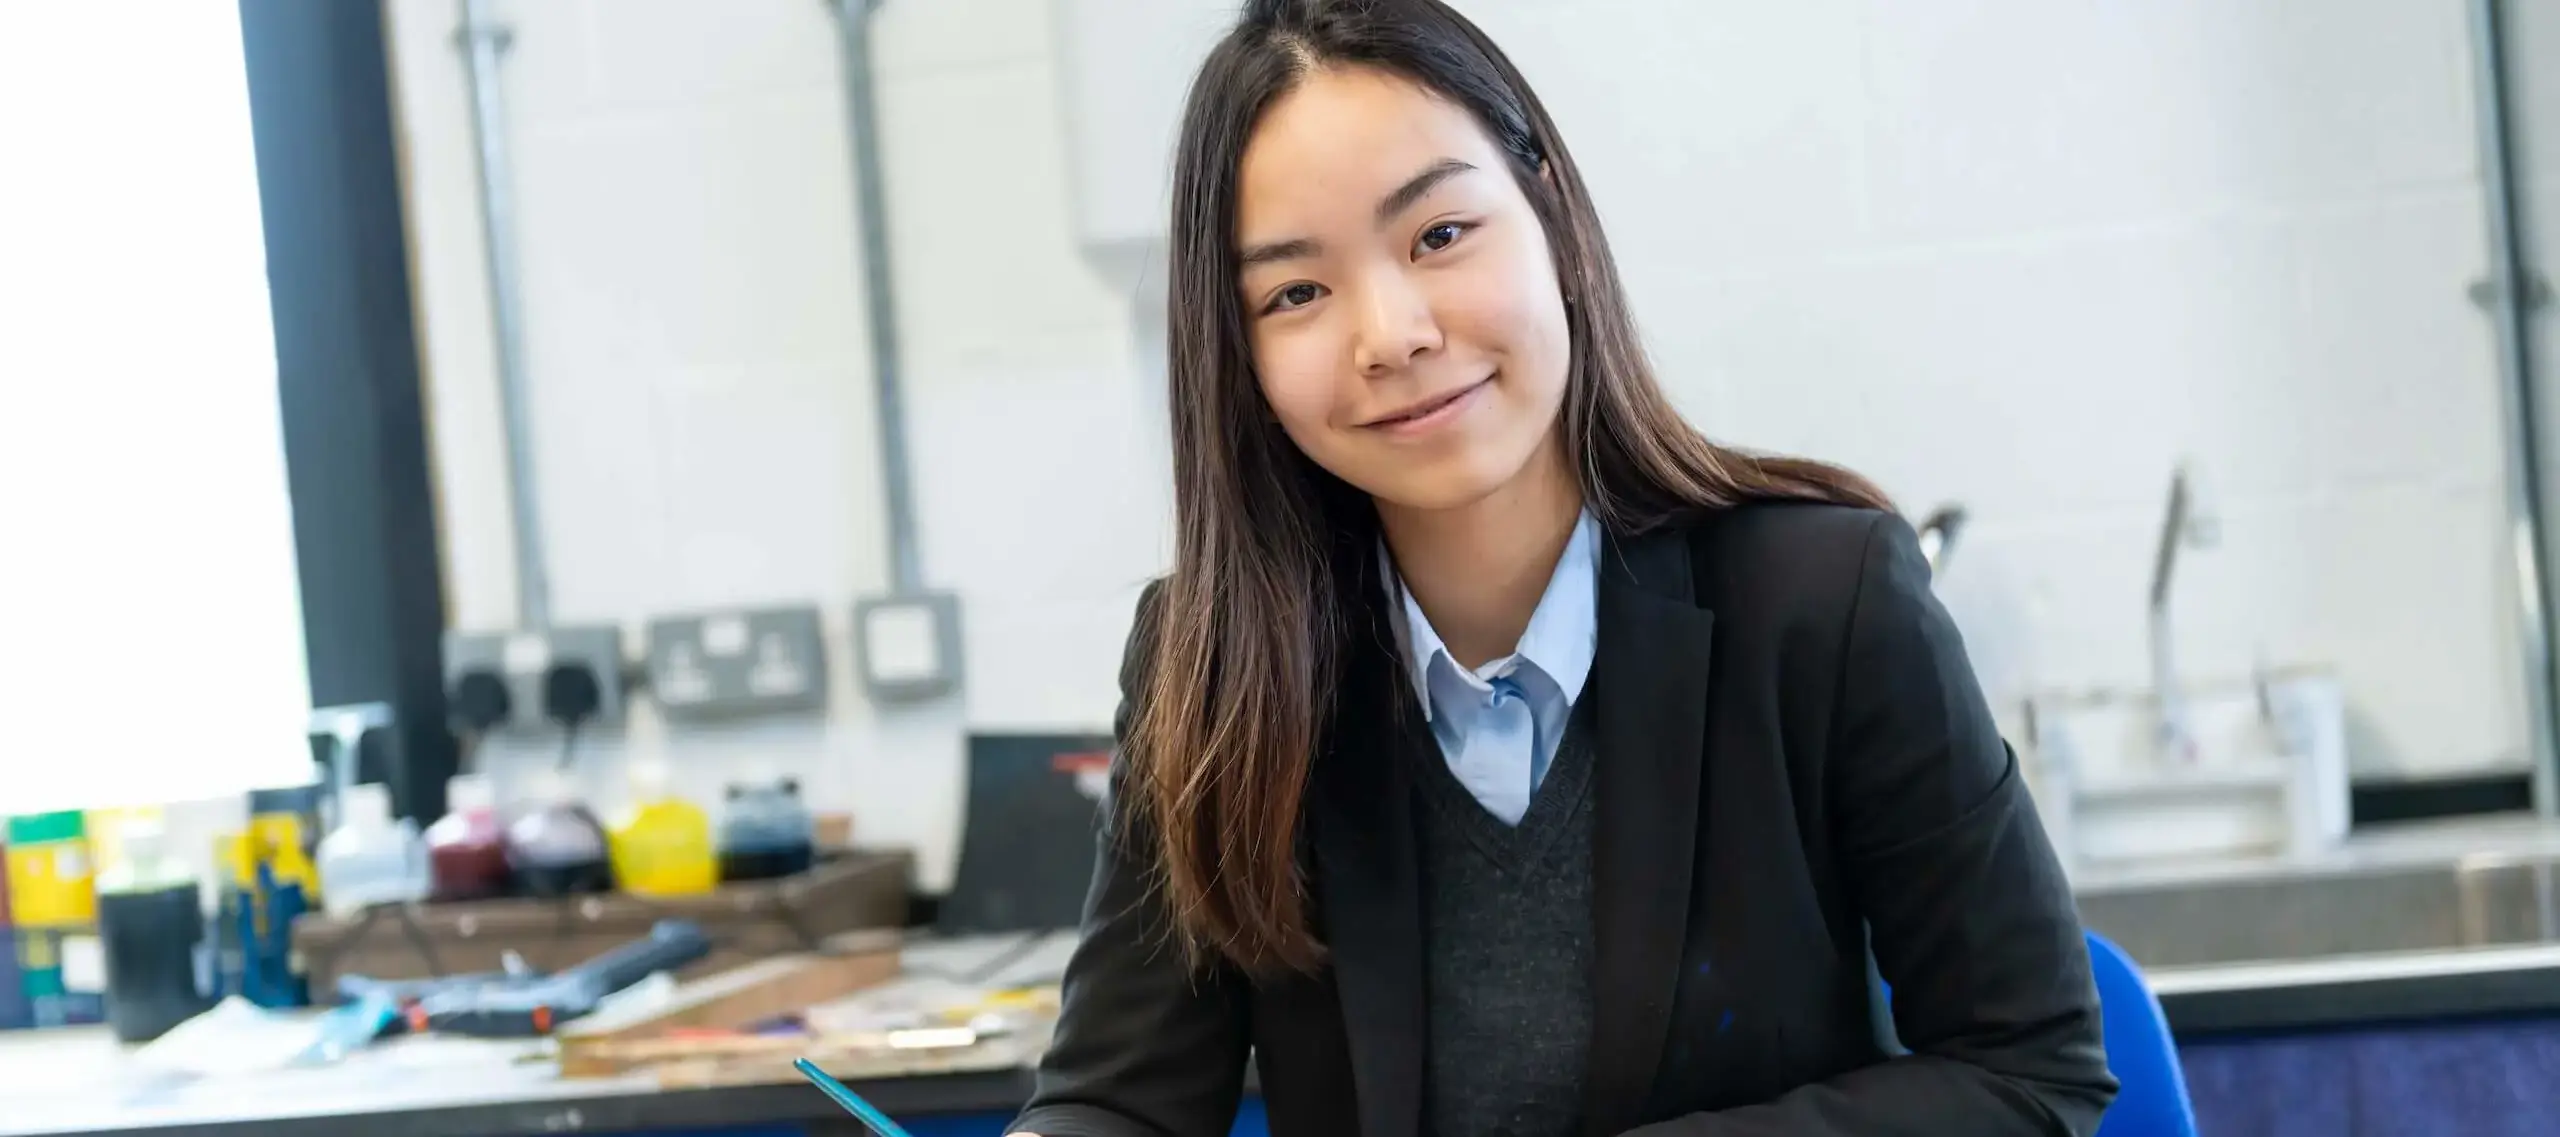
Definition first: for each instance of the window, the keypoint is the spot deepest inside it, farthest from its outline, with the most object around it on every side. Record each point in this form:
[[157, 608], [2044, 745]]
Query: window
[[150, 622]]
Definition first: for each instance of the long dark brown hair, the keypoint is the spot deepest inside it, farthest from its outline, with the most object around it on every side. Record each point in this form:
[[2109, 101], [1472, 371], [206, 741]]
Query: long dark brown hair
[[1251, 632]]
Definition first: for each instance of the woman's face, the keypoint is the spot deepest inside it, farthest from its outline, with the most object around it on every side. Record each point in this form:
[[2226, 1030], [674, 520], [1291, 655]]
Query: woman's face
[[1407, 326]]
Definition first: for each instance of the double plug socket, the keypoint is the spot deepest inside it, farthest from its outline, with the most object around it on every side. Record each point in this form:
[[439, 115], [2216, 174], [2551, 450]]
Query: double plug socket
[[522, 681]]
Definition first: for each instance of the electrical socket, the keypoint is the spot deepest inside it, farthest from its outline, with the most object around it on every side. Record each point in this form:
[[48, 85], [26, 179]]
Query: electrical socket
[[521, 660], [729, 664]]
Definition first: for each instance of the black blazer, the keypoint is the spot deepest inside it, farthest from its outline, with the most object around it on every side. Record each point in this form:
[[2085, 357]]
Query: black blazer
[[1792, 751]]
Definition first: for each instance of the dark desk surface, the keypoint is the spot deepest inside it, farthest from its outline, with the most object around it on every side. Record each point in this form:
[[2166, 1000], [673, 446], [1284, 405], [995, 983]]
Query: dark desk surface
[[496, 1094]]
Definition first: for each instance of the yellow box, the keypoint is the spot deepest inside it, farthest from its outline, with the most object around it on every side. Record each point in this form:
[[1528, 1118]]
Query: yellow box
[[52, 878]]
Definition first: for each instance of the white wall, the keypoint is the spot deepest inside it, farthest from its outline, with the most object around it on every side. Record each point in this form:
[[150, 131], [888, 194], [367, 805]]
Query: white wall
[[2027, 255], [702, 390], [2018, 254]]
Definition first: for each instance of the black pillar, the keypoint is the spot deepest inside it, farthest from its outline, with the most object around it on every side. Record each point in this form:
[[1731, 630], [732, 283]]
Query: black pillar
[[364, 522]]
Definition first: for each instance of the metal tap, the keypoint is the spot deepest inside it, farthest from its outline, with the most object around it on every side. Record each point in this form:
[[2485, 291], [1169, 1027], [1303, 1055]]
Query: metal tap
[[1938, 536], [2186, 524]]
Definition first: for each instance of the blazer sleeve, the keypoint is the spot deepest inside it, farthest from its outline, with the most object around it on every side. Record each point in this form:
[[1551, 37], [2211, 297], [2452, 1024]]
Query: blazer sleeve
[[1972, 920], [1146, 1045]]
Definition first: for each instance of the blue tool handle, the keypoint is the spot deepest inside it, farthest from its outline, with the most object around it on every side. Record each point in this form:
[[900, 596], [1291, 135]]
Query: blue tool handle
[[402, 992], [671, 944], [529, 1008]]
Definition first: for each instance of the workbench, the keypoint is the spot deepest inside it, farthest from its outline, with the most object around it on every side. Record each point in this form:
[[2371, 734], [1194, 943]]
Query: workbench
[[82, 1082], [67, 1082], [2233, 1022]]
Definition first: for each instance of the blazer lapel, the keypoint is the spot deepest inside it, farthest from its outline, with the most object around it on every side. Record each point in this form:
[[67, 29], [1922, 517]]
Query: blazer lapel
[[1651, 679], [1370, 876]]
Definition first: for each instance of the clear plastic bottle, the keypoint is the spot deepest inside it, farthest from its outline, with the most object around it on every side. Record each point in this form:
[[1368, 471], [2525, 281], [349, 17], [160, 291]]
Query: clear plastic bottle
[[557, 848], [467, 848], [662, 843], [370, 858], [766, 832]]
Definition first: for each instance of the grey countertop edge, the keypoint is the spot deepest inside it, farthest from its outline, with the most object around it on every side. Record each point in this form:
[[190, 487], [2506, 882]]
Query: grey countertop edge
[[2197, 1013], [2340, 998]]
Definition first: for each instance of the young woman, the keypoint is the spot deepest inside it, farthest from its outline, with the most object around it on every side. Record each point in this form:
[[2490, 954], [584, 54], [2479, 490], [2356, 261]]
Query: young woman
[[1501, 757]]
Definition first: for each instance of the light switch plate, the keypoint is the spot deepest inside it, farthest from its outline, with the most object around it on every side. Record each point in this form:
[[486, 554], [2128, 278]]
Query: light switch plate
[[908, 647], [521, 658], [734, 663]]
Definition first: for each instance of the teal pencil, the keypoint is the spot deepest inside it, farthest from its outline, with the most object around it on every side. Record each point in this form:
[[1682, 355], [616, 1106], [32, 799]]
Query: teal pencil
[[852, 1102]]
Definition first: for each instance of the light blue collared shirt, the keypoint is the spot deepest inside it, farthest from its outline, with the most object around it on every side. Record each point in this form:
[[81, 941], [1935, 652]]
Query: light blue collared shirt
[[1498, 725]]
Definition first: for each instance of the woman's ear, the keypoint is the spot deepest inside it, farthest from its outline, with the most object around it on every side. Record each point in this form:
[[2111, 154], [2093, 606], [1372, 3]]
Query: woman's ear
[[1547, 173]]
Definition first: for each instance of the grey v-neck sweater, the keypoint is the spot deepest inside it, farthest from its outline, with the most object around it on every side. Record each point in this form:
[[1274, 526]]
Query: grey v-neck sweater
[[1507, 930]]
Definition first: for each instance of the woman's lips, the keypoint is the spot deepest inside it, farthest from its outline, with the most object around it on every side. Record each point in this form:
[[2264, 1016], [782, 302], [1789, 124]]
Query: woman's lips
[[1433, 414]]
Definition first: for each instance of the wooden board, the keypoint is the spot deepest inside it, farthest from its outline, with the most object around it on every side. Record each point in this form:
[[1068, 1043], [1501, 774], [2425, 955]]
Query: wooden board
[[757, 992], [705, 1062]]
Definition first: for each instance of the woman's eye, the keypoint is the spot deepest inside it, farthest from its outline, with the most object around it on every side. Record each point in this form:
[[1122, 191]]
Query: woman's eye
[[1439, 237], [1297, 295]]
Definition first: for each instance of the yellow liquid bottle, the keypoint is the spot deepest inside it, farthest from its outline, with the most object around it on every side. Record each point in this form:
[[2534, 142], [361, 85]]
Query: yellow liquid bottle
[[661, 846]]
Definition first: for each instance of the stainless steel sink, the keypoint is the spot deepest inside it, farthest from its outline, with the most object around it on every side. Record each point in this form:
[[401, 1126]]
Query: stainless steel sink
[[2442, 892]]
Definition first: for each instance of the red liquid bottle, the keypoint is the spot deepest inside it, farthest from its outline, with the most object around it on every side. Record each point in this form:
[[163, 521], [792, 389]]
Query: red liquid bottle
[[467, 849]]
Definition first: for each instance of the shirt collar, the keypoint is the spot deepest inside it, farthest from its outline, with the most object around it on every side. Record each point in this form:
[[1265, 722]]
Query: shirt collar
[[1563, 633]]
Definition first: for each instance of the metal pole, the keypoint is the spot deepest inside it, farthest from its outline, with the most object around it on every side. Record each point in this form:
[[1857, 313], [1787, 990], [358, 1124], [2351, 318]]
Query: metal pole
[[871, 218], [2505, 294], [484, 40]]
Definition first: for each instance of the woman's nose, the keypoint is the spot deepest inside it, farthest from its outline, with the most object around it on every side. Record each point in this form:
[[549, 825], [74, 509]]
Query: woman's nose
[[1396, 324]]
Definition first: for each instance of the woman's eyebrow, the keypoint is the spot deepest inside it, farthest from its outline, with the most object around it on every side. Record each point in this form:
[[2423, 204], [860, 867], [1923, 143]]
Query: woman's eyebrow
[[1396, 201], [1419, 184]]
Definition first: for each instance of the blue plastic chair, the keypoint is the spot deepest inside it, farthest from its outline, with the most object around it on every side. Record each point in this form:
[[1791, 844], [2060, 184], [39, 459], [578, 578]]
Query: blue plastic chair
[[2153, 1101]]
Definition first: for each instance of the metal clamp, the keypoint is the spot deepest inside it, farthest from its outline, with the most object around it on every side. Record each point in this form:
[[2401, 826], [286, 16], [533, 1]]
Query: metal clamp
[[2489, 295]]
